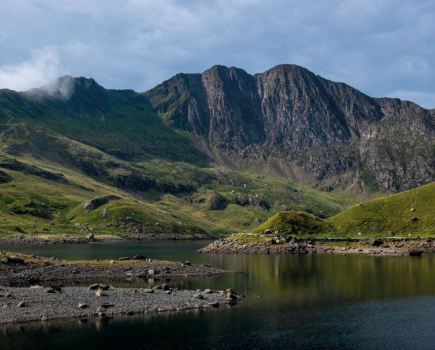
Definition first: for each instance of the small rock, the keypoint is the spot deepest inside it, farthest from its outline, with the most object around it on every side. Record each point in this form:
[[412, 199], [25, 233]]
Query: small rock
[[139, 257], [22, 304], [44, 318], [124, 258], [147, 290], [5, 261], [83, 306]]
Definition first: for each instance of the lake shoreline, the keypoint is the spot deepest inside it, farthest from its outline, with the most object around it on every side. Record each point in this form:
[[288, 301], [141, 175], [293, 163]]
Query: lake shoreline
[[17, 270], [31, 288], [26, 239], [298, 245], [19, 305]]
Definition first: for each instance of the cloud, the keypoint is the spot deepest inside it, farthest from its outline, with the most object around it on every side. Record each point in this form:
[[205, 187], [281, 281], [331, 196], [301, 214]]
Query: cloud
[[41, 68], [377, 46]]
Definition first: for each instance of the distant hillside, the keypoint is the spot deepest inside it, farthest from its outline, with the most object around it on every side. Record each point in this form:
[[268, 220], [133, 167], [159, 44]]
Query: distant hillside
[[412, 211]]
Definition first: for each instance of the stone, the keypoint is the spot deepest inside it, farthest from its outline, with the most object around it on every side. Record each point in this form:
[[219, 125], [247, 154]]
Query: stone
[[97, 202], [44, 318], [415, 252], [107, 305], [139, 257], [17, 260], [22, 304], [147, 290], [208, 291], [83, 306], [94, 286], [5, 261], [198, 296], [99, 292], [374, 242], [124, 258], [267, 231], [214, 304]]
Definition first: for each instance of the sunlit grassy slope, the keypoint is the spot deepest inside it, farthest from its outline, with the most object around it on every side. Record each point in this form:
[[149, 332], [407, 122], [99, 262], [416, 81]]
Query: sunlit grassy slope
[[412, 211]]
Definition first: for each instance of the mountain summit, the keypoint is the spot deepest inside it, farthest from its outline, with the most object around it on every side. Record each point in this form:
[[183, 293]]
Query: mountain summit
[[291, 122]]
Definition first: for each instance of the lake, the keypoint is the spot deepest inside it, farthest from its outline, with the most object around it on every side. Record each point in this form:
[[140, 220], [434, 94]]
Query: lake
[[292, 302]]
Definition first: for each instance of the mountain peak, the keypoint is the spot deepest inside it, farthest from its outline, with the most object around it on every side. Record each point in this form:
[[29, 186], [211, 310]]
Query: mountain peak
[[62, 88]]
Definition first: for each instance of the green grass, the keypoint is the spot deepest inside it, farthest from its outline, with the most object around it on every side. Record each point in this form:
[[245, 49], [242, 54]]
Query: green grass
[[411, 211], [391, 214], [295, 223], [107, 142]]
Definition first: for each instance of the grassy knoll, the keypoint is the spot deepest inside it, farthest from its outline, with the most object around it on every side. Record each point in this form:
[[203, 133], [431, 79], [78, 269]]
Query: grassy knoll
[[412, 211]]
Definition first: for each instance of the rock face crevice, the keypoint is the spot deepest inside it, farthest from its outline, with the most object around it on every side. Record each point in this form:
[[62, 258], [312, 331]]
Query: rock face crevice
[[291, 122]]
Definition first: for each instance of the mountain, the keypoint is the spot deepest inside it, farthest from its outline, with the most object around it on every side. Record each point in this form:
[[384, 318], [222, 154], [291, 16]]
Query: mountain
[[73, 142], [290, 122], [208, 153]]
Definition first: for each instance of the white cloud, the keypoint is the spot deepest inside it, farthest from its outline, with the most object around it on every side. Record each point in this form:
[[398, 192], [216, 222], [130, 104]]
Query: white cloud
[[44, 66]]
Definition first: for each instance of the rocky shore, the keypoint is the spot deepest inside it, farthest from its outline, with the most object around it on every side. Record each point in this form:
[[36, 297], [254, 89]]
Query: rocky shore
[[298, 245], [25, 239], [91, 238], [43, 304], [31, 288], [22, 270]]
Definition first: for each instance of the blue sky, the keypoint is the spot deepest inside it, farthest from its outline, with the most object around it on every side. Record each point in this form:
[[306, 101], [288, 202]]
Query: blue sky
[[382, 47]]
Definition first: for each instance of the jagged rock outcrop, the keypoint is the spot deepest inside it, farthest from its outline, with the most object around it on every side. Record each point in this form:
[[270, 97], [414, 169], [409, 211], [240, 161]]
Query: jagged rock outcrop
[[292, 122]]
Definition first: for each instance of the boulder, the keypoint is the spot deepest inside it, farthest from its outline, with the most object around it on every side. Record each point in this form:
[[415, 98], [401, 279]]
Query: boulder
[[139, 257], [97, 202], [415, 252], [374, 242], [4, 261]]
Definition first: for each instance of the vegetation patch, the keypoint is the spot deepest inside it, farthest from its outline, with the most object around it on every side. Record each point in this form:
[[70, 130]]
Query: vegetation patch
[[294, 223]]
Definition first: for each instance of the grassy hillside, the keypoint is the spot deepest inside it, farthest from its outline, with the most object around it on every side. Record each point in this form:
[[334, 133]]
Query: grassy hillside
[[412, 211], [295, 223], [402, 213], [56, 154]]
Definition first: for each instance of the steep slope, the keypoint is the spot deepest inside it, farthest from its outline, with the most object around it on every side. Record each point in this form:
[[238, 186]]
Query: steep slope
[[291, 122], [118, 122], [72, 141], [400, 214]]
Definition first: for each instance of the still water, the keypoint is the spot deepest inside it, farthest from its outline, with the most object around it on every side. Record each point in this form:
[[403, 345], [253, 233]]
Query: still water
[[292, 302]]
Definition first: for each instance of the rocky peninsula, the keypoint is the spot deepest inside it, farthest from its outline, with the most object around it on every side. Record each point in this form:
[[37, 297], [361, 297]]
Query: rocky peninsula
[[256, 244], [31, 288]]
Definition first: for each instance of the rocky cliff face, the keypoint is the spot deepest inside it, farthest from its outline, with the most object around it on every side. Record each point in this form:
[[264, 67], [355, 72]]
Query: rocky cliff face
[[292, 122]]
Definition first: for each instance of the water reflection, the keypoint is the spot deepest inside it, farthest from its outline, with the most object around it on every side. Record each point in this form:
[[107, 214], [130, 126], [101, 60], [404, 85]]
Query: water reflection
[[309, 301]]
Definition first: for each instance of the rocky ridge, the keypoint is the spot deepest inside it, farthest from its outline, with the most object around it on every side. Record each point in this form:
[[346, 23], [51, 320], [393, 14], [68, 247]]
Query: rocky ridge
[[291, 122]]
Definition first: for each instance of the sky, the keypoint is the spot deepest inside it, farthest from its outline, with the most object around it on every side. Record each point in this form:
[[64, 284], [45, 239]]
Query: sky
[[382, 47]]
